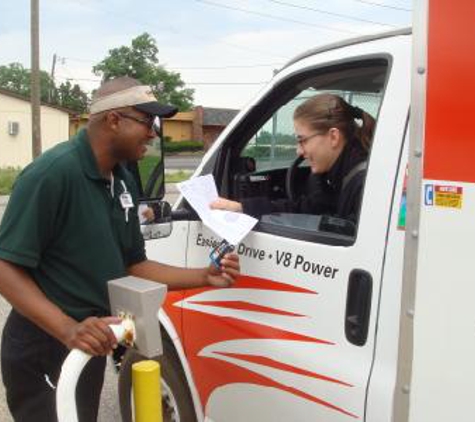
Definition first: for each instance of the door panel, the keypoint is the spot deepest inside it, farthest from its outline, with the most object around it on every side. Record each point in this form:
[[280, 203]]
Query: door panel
[[274, 346]]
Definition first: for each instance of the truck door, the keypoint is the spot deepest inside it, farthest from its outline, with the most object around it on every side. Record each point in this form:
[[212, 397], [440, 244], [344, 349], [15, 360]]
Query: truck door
[[293, 339]]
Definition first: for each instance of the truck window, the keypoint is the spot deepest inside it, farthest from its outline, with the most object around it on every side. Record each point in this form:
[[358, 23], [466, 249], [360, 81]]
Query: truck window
[[265, 164]]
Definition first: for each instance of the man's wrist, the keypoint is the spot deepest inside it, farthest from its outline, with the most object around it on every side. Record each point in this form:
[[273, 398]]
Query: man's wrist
[[64, 332]]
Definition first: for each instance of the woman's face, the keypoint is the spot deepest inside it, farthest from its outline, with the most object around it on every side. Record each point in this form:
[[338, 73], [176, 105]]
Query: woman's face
[[320, 149]]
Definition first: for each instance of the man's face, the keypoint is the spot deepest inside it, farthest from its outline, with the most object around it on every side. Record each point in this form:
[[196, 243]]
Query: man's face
[[134, 132]]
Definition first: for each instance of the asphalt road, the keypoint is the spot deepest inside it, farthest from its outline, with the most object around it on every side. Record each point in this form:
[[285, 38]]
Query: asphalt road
[[182, 162]]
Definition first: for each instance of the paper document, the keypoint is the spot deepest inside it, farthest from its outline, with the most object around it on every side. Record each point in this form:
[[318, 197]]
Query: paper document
[[200, 192]]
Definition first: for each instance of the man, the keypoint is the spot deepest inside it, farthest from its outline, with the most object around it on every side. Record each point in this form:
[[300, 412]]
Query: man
[[70, 226]]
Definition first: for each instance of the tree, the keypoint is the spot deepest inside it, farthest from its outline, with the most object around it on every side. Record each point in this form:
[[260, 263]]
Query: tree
[[72, 97], [16, 78], [140, 61]]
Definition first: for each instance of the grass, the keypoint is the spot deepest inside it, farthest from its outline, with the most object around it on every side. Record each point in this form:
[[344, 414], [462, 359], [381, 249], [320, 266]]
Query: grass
[[7, 177], [182, 146], [177, 176], [9, 174]]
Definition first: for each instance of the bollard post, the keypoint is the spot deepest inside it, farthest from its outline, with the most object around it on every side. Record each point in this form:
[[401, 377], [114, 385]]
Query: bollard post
[[147, 391]]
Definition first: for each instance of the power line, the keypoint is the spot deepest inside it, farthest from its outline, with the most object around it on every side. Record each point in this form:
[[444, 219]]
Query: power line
[[68, 78], [386, 6], [187, 83], [279, 18], [250, 66], [195, 67], [227, 83], [339, 15], [176, 31]]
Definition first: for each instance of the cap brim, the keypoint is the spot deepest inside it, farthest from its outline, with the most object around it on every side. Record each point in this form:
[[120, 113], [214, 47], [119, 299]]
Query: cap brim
[[155, 109]]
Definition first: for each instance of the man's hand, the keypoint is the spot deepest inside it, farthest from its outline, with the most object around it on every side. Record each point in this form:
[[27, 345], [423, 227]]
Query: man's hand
[[227, 274], [93, 336]]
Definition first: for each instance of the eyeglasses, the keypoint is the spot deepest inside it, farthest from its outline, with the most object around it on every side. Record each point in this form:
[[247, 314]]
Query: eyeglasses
[[302, 140], [151, 122]]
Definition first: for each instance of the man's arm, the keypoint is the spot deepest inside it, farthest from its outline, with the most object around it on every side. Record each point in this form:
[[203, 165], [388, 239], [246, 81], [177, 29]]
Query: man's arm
[[93, 335], [180, 278]]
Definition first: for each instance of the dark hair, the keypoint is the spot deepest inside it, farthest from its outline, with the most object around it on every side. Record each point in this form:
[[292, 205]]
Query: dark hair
[[325, 111]]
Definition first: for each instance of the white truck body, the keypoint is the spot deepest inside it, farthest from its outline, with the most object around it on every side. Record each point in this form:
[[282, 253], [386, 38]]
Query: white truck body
[[377, 326]]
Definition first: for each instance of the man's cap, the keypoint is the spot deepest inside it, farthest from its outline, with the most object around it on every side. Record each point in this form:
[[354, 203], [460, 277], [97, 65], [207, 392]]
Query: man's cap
[[140, 97]]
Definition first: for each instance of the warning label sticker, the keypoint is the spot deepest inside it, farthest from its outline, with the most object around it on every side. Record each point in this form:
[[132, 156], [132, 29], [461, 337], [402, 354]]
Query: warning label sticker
[[444, 196]]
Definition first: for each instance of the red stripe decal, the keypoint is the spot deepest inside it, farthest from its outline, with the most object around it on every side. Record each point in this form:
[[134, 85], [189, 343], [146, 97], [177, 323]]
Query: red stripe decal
[[249, 330], [314, 399], [271, 383], [245, 306], [261, 360], [212, 373]]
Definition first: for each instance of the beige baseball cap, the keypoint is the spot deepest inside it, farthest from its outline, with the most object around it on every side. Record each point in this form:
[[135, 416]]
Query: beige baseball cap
[[140, 97]]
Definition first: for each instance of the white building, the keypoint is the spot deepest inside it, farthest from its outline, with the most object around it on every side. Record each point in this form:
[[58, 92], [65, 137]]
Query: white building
[[15, 128]]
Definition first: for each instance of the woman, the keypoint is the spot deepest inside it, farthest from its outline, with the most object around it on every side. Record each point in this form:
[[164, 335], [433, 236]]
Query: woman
[[336, 148]]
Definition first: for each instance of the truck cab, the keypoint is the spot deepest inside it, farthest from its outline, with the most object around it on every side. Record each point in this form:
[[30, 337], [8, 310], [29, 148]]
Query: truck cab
[[309, 332]]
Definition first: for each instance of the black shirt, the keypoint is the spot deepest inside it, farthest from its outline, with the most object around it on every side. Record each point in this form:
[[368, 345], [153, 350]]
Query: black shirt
[[328, 193]]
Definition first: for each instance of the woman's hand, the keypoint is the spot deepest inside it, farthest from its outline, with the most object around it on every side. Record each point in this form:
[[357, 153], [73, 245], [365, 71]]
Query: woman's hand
[[226, 204], [226, 275]]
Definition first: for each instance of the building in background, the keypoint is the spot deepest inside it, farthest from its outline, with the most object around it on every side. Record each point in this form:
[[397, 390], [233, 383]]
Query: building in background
[[201, 124], [210, 122], [15, 128]]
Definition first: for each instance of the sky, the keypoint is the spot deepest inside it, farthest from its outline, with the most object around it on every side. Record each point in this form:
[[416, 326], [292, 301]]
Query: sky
[[226, 50]]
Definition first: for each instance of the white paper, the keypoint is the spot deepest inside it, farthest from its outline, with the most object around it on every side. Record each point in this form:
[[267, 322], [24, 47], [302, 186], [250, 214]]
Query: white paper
[[200, 192]]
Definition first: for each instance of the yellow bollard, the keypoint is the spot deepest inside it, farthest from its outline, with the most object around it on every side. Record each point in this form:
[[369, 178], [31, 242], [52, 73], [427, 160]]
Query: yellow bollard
[[147, 391]]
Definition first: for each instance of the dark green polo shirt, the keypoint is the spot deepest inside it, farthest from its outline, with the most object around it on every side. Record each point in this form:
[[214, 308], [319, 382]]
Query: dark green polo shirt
[[65, 227]]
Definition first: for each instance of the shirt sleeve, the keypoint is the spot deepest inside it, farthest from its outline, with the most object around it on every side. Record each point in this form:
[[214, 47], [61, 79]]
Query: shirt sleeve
[[30, 219]]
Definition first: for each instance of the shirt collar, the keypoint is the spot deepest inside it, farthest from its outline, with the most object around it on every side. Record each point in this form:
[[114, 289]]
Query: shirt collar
[[88, 159], [351, 155]]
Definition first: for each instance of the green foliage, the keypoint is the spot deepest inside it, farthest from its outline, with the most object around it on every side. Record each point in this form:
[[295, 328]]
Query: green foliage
[[8, 176], [16, 78], [182, 146], [146, 166], [263, 152], [177, 176], [284, 146], [148, 163], [72, 97], [265, 138], [140, 61]]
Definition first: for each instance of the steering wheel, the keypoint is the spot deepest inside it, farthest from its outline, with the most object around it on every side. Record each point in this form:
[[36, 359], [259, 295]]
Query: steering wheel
[[290, 179]]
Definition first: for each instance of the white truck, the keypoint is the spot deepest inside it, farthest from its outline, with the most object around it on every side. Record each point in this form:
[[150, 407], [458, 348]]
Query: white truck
[[326, 324]]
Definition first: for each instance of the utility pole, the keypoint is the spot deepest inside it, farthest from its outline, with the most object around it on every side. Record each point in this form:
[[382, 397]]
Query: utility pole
[[53, 67], [35, 79]]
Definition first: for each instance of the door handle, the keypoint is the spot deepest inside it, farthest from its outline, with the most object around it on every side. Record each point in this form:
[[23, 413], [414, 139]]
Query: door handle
[[358, 307]]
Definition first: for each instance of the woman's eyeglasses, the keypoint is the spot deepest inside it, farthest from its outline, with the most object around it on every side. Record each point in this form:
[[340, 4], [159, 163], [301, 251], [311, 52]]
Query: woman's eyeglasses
[[302, 140]]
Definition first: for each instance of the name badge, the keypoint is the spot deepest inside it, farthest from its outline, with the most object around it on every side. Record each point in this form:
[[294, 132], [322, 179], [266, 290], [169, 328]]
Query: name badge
[[126, 200]]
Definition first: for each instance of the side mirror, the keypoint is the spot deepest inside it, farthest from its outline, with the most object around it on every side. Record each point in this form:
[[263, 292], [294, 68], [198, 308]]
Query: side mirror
[[155, 218]]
